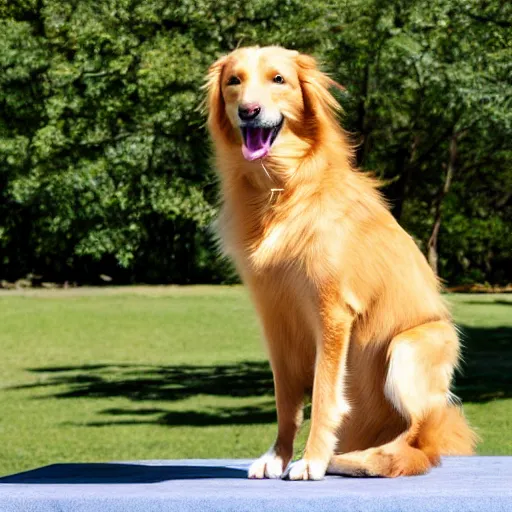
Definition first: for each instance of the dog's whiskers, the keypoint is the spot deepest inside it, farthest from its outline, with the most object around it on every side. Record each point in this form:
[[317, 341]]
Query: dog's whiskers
[[265, 169], [272, 190]]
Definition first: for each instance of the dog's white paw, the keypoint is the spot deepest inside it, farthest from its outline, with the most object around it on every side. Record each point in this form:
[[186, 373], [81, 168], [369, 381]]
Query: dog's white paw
[[269, 465], [305, 469]]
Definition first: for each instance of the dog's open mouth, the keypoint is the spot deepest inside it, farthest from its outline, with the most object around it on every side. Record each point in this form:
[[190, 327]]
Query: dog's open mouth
[[258, 140]]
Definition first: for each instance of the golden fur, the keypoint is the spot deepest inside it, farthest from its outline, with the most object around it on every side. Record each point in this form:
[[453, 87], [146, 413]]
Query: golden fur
[[349, 306]]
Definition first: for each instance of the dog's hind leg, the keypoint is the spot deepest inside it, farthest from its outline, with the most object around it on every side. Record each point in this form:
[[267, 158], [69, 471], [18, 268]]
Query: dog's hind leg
[[390, 460], [420, 369]]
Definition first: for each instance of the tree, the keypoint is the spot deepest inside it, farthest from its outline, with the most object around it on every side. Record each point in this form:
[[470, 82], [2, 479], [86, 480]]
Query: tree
[[430, 94], [105, 155]]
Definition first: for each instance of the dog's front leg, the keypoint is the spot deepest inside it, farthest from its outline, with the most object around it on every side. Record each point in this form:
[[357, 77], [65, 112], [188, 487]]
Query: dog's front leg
[[290, 380], [329, 403]]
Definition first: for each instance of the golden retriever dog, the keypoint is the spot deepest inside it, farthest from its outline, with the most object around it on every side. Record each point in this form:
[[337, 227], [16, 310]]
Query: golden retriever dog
[[350, 309]]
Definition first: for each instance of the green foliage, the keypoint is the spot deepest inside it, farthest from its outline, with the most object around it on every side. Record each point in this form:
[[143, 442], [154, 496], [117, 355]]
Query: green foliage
[[104, 157], [419, 74]]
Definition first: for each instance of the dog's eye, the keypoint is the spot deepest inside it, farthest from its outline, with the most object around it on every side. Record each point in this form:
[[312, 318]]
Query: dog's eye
[[278, 79], [234, 80]]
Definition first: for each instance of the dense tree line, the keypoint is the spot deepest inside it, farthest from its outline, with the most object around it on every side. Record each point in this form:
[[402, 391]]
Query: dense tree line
[[104, 156]]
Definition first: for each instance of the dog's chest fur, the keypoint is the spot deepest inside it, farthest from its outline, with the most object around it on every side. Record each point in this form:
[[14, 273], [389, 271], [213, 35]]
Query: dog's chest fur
[[292, 246], [289, 233]]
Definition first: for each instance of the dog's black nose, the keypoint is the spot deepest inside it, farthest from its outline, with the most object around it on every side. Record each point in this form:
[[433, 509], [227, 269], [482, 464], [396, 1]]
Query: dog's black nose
[[249, 111]]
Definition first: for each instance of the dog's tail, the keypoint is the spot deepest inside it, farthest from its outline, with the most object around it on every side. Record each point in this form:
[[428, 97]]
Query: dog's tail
[[446, 432], [442, 432]]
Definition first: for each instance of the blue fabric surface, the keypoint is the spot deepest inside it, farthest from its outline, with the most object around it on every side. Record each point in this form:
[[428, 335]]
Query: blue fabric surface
[[461, 484]]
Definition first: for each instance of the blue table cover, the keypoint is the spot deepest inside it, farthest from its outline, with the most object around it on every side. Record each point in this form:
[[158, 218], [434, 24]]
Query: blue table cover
[[462, 484]]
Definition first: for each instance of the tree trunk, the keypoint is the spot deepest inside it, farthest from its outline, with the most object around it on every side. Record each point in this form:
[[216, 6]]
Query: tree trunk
[[432, 254], [404, 166], [362, 121]]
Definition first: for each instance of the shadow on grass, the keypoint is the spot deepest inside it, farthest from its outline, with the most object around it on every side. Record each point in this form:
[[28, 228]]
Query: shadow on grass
[[501, 302], [486, 371], [486, 375], [218, 416], [152, 383]]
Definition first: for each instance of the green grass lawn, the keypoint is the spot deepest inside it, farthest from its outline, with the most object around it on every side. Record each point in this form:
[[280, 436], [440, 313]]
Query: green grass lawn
[[160, 373]]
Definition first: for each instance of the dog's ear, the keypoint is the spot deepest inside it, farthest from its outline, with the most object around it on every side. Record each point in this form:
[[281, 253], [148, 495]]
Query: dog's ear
[[215, 105], [318, 101]]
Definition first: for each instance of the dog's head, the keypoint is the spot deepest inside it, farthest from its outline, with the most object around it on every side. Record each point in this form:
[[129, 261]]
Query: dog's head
[[259, 98]]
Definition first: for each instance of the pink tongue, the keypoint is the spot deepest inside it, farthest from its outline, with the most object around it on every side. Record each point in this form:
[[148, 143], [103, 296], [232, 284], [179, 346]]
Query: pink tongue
[[257, 143]]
